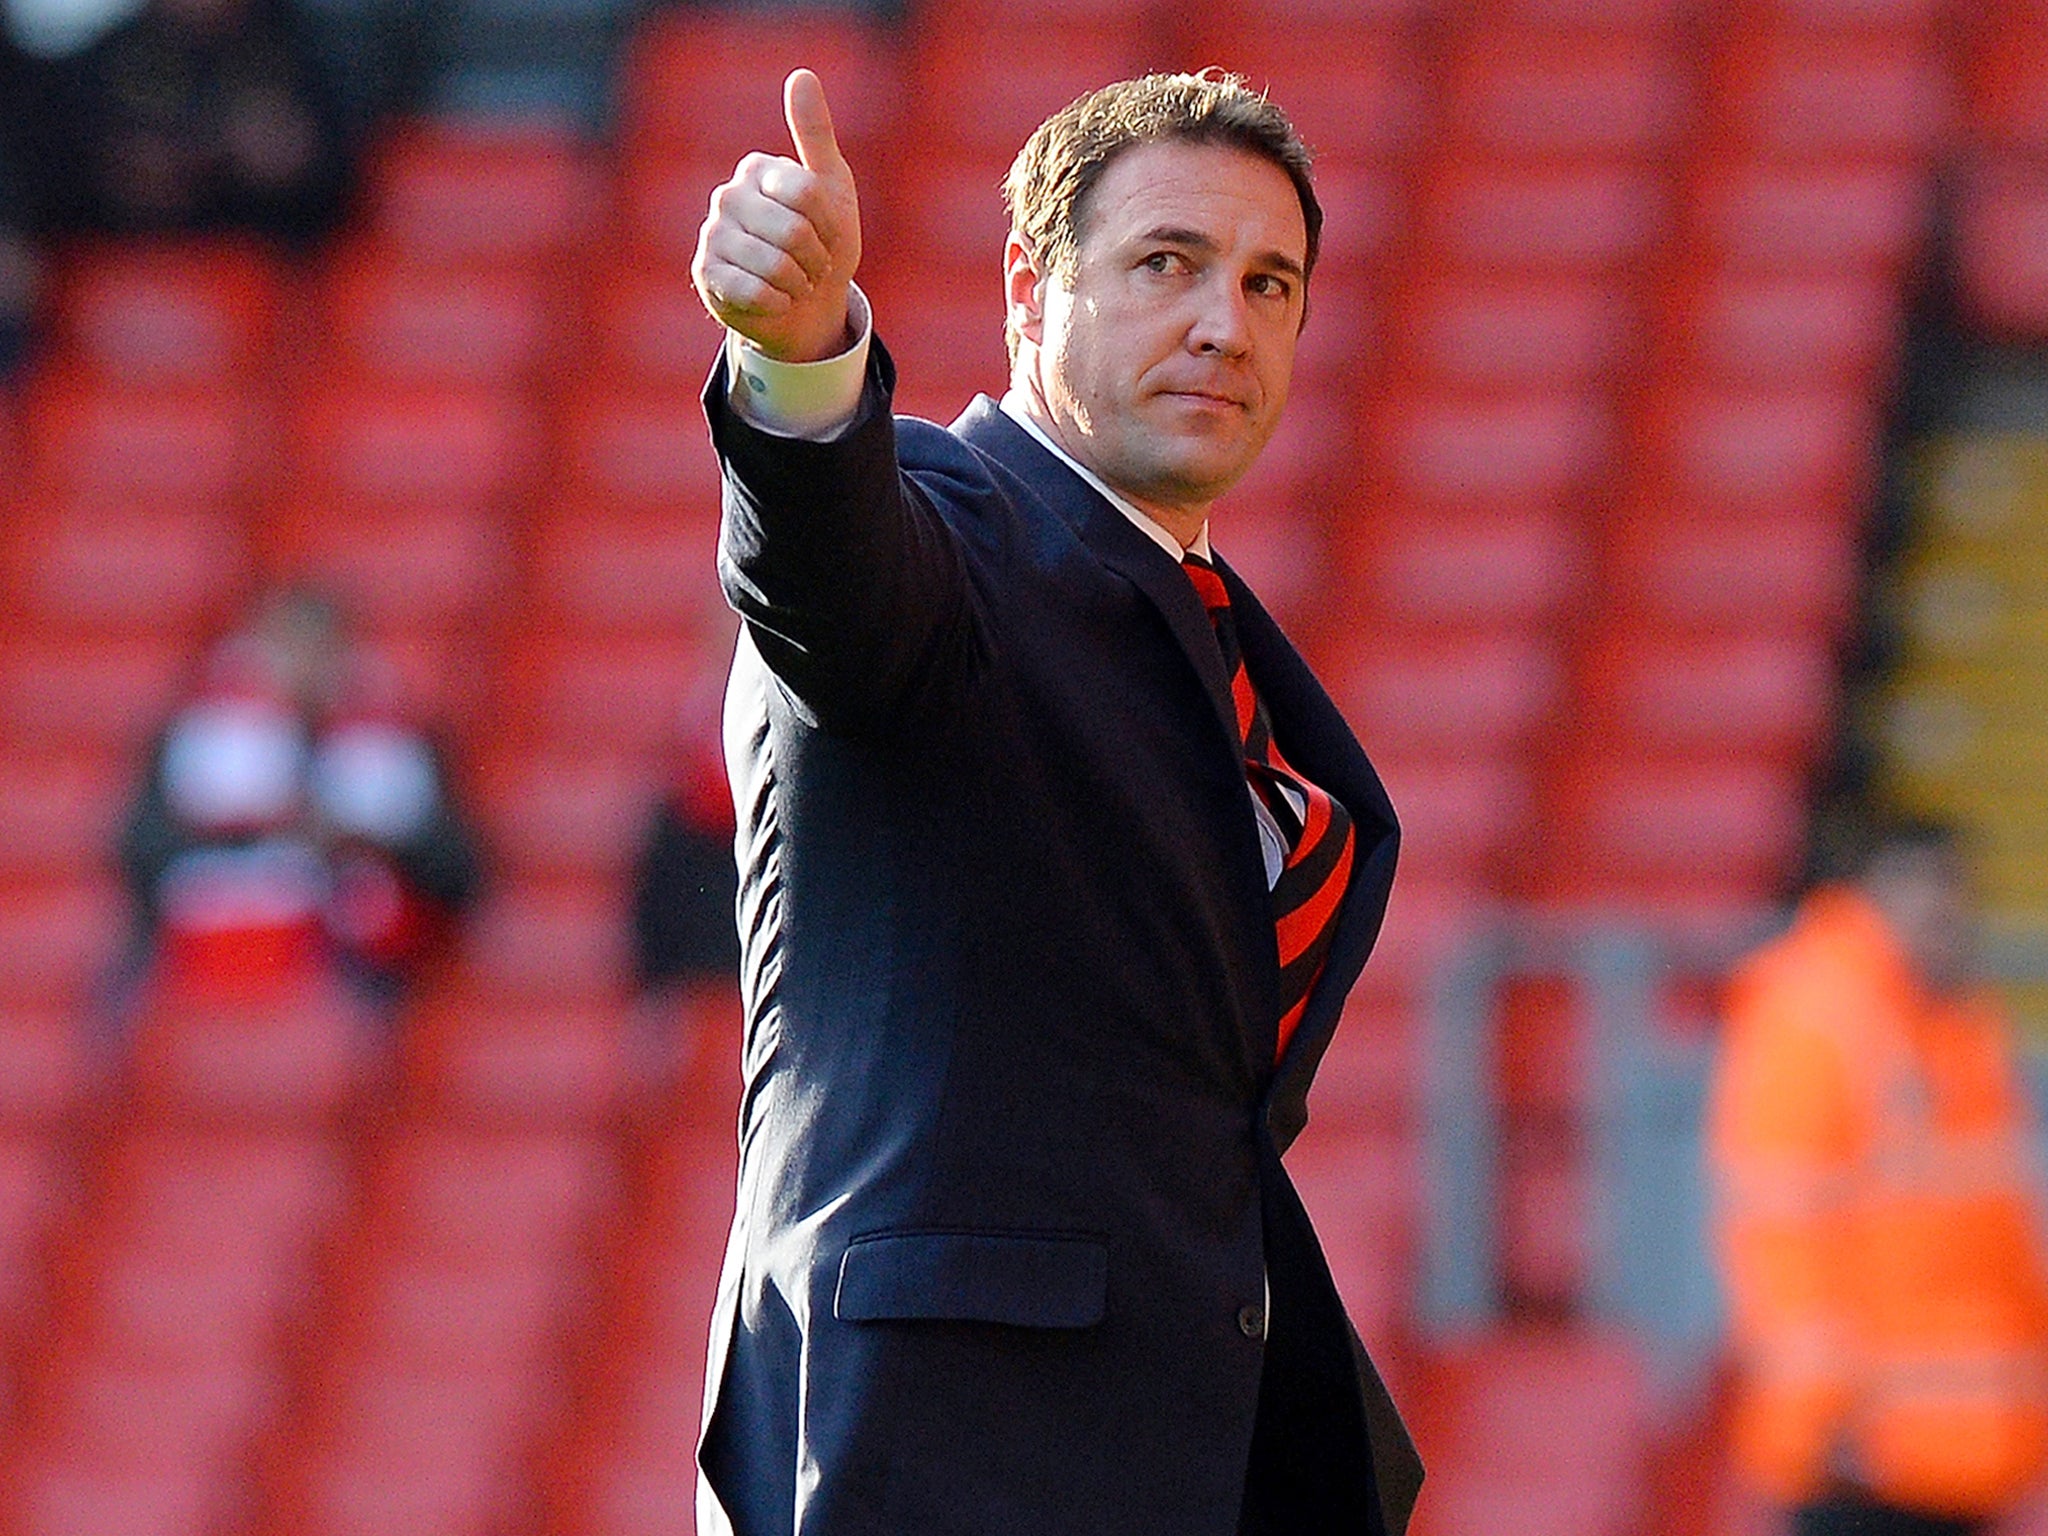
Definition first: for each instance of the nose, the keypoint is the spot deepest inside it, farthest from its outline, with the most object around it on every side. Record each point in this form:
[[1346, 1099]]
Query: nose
[[1222, 320]]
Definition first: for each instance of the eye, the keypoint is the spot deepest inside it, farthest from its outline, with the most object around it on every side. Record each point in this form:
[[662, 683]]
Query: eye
[[1165, 262], [1269, 285]]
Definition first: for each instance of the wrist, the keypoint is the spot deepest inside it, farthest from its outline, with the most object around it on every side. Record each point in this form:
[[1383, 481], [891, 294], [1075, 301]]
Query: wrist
[[830, 339]]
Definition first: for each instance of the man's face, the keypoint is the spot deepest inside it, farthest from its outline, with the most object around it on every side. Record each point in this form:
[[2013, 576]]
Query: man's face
[[1163, 364]]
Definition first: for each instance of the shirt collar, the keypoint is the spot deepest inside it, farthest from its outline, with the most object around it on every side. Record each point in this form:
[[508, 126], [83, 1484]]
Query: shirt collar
[[1013, 407]]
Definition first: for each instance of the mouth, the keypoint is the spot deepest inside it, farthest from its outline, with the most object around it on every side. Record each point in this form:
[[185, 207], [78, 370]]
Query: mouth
[[1208, 399]]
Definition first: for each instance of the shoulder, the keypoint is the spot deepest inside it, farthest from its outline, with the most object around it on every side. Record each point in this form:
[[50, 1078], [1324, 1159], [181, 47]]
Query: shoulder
[[980, 481]]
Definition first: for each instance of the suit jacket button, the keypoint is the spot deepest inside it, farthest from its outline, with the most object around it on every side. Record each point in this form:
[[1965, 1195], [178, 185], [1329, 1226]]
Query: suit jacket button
[[1251, 1321]]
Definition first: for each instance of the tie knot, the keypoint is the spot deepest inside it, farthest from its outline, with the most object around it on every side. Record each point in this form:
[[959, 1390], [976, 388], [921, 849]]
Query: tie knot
[[1208, 585]]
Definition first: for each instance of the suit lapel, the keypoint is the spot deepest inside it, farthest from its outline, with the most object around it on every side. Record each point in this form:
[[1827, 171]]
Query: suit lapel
[[1119, 546]]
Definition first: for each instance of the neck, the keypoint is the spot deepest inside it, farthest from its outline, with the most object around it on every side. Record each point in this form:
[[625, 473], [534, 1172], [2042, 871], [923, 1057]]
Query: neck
[[1184, 523]]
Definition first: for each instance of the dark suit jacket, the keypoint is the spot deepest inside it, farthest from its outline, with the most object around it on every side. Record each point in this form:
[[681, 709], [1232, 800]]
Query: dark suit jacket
[[1010, 1191]]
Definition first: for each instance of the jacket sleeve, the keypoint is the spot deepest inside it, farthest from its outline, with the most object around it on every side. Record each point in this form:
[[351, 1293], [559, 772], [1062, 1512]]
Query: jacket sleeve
[[1782, 1143], [852, 585]]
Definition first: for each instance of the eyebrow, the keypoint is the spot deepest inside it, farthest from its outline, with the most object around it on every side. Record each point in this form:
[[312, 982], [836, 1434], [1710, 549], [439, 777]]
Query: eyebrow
[[1194, 239]]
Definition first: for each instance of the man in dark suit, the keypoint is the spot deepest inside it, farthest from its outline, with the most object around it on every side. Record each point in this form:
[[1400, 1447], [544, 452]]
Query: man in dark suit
[[1056, 864]]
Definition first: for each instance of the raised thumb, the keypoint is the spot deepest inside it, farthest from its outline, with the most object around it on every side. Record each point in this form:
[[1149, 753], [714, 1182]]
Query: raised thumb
[[810, 124]]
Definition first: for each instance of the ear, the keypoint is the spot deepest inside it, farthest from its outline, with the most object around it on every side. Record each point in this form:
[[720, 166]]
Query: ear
[[1023, 290]]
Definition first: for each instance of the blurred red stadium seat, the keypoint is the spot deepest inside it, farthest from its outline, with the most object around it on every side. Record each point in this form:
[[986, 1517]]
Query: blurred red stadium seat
[[629, 695], [1342, 343], [388, 317], [563, 941], [1799, 94], [1508, 567], [94, 693], [1372, 1075], [1281, 546], [1352, 87], [599, 569], [58, 936], [413, 1454], [1446, 450], [290, 1051], [967, 93], [649, 1471], [34, 1191], [660, 196], [1364, 215], [447, 448], [175, 447], [430, 564], [1742, 573], [646, 326], [1238, 18], [1529, 91], [1851, 16], [1459, 811], [151, 1371], [1727, 828], [59, 811], [711, 81], [945, 332], [569, 810], [1822, 217], [1756, 330], [1361, 1189], [1589, 217], [1771, 695], [481, 192], [45, 1072], [1510, 333], [1652, 17], [499, 1060], [1429, 918], [2001, 243], [1784, 449], [949, 210], [80, 1497], [167, 311], [638, 449], [1420, 694], [246, 1196], [479, 1199], [2007, 80], [1541, 1431], [96, 561], [430, 1318], [625, 1455]]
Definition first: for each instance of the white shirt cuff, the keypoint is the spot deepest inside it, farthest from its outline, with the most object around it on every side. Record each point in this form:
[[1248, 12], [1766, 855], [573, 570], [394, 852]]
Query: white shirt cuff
[[814, 401]]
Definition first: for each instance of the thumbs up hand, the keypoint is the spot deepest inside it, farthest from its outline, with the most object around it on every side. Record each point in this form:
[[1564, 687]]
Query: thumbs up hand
[[775, 257]]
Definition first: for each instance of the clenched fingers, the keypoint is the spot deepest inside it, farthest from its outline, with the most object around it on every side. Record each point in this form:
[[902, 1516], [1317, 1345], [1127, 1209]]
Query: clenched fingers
[[779, 214]]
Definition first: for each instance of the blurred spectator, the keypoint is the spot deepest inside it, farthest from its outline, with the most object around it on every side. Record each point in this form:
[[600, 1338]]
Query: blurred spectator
[[196, 115], [1877, 1228], [685, 883], [291, 820]]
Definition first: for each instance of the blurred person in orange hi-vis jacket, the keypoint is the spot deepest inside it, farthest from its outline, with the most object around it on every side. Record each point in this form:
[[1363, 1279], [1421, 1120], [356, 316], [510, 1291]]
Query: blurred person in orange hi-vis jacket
[[1870, 1144]]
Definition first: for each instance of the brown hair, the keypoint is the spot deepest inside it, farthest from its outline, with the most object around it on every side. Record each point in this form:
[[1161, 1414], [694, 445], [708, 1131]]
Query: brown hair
[[1049, 182]]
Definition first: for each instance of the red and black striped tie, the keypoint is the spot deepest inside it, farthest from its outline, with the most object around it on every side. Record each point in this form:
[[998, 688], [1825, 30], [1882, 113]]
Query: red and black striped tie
[[1317, 829]]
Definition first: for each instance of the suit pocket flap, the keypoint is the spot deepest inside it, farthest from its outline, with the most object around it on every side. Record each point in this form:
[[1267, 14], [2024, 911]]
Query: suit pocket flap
[[1029, 1281]]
